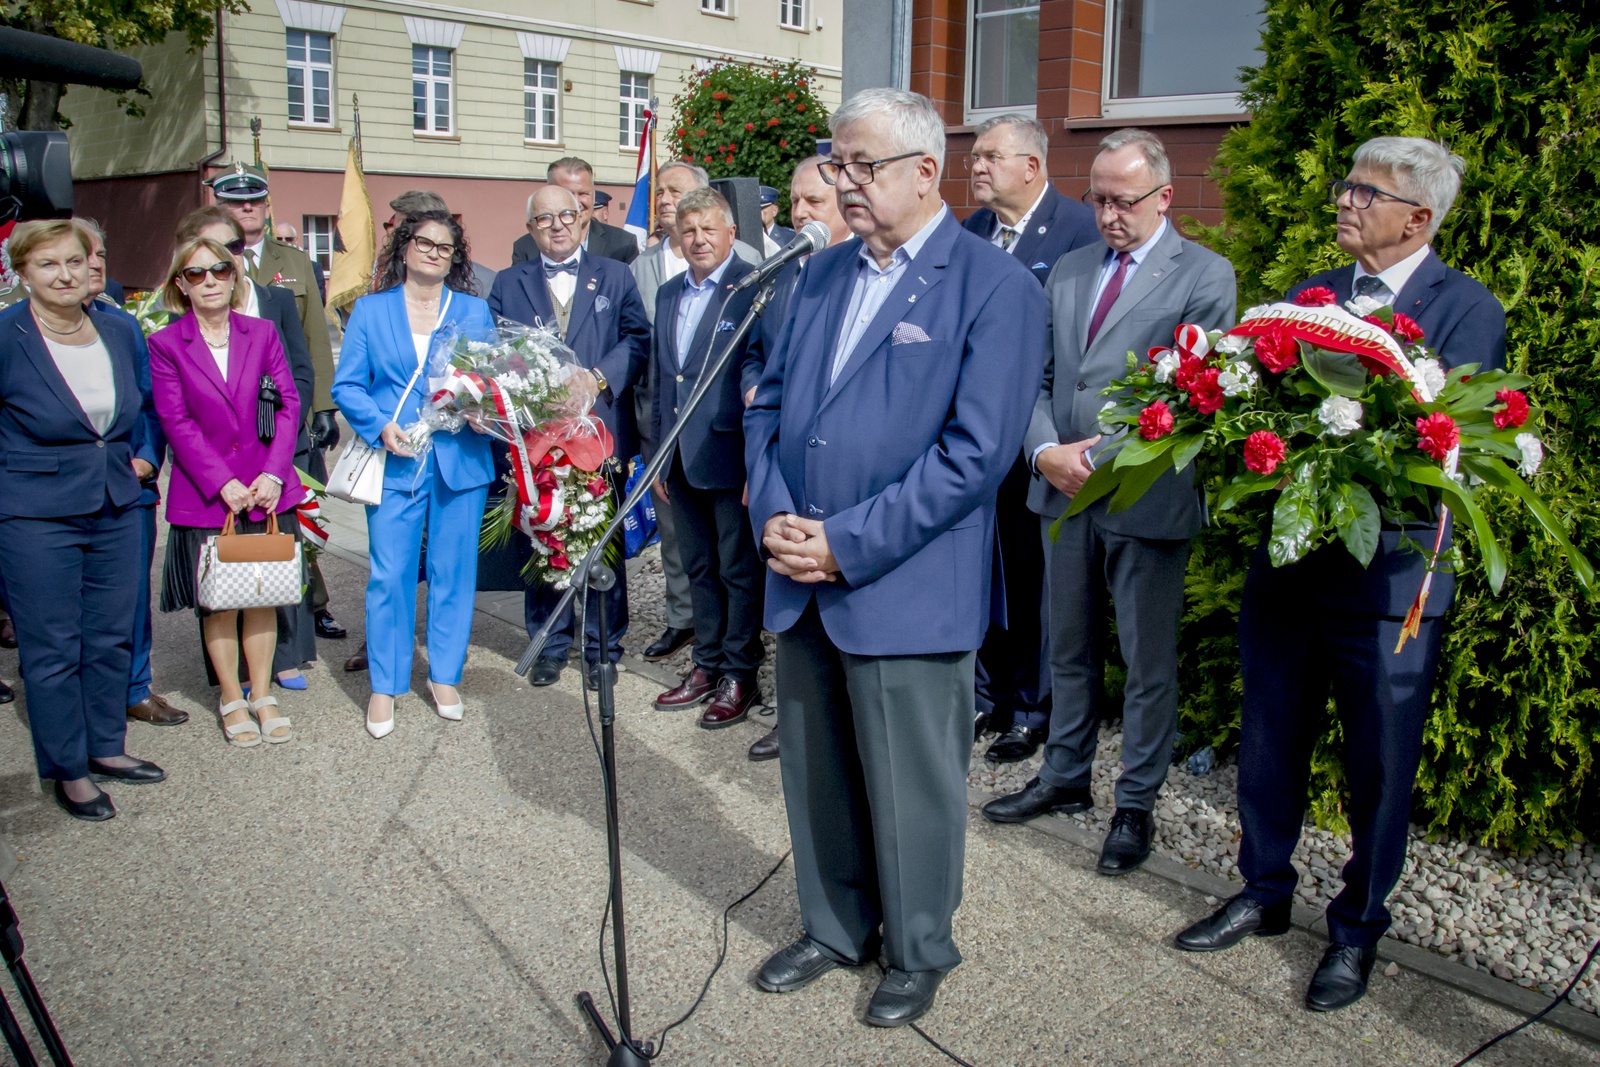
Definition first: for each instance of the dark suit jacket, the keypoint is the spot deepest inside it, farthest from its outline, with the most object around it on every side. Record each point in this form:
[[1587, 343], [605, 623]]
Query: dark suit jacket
[[285, 266], [1462, 322], [781, 234], [607, 330], [1059, 226], [902, 454], [55, 464], [712, 445], [149, 443], [609, 242]]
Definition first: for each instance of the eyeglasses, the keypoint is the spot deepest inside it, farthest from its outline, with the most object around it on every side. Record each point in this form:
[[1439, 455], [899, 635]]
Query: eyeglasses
[[1361, 196], [425, 246], [235, 247], [196, 275], [860, 172], [548, 219], [990, 159], [1120, 207]]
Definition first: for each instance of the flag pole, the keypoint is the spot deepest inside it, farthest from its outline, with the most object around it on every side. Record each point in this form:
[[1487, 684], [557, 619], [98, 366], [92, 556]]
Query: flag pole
[[355, 104], [654, 103]]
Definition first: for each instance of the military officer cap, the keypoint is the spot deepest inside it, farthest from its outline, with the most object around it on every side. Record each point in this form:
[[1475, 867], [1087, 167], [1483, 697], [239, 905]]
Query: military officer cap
[[769, 195], [601, 198], [241, 182]]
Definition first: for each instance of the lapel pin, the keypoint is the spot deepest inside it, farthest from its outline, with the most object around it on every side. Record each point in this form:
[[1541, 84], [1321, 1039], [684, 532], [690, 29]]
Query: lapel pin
[[1041, 229], [1155, 274], [591, 285], [912, 299]]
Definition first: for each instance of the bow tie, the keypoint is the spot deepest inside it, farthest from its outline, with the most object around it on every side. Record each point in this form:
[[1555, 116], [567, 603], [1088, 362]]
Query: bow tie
[[552, 270]]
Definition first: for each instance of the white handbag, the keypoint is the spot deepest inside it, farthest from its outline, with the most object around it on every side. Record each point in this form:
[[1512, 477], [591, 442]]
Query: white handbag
[[358, 475], [240, 571]]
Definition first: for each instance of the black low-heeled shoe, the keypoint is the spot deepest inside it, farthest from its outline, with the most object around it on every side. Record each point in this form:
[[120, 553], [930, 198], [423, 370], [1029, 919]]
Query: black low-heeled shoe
[[143, 772], [97, 810]]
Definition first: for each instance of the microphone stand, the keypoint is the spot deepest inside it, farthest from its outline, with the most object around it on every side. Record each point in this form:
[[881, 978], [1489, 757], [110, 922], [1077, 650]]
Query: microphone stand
[[593, 573]]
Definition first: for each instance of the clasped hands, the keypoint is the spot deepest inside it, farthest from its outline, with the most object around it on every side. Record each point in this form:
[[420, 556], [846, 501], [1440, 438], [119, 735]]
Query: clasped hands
[[261, 494], [799, 549]]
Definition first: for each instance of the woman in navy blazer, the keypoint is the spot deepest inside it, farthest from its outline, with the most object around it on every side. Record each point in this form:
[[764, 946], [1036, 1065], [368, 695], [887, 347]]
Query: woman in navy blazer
[[69, 520], [423, 290]]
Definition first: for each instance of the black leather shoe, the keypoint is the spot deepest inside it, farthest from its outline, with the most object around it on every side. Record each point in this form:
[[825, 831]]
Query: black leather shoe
[[97, 810], [903, 997], [6, 695], [8, 634], [546, 669], [357, 662], [1230, 924], [1341, 977], [327, 626], [1015, 745], [1034, 800], [670, 641], [794, 967], [141, 773], [591, 676], [980, 726], [1127, 842], [766, 748]]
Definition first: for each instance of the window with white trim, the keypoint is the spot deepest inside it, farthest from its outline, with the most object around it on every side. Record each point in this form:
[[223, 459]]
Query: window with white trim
[[310, 70], [1175, 57], [541, 94], [716, 7], [792, 14], [431, 84], [318, 231], [1003, 70], [633, 102]]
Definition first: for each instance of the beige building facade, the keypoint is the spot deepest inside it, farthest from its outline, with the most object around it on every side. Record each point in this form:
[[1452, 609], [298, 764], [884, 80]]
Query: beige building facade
[[471, 101]]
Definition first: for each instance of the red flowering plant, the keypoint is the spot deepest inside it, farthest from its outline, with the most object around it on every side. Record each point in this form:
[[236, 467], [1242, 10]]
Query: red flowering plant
[[1346, 415]]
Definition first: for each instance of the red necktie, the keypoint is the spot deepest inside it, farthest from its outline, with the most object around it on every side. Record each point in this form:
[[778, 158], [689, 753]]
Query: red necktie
[[1109, 297]]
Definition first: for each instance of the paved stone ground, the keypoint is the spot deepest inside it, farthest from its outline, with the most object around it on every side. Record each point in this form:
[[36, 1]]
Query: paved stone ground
[[433, 898]]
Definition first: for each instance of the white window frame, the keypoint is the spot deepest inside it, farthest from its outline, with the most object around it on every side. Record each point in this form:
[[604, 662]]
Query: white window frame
[[319, 242], [976, 115], [1192, 105], [636, 104], [792, 9], [537, 95], [308, 69], [431, 81], [722, 9]]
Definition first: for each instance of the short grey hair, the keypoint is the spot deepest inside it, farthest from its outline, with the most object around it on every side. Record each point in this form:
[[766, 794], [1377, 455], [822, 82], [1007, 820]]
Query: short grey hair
[[701, 178], [1424, 170], [915, 125], [702, 199], [808, 162], [552, 185], [1027, 129], [1155, 153], [92, 226]]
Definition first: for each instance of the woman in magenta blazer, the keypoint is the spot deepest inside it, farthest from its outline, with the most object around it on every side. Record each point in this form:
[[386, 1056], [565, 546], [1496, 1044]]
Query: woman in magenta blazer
[[206, 371]]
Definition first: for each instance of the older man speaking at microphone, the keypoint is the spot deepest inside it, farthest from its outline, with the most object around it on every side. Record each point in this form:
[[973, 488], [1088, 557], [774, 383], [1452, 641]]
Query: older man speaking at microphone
[[891, 407]]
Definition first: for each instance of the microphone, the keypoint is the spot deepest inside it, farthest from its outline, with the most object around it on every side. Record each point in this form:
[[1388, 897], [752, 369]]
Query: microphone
[[813, 237]]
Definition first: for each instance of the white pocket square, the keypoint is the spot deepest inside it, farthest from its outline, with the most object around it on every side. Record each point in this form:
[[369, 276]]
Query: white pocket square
[[601, 304], [906, 333]]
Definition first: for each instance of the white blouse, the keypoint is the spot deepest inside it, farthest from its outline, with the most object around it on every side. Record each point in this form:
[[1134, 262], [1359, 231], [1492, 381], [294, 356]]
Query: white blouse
[[87, 370], [220, 354]]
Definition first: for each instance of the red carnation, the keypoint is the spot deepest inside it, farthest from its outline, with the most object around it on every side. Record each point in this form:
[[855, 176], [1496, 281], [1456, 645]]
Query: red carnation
[[1437, 435], [1155, 421], [1263, 451], [1405, 327], [1374, 320], [1515, 412], [1206, 396], [1316, 296], [789, 96], [749, 125], [1277, 351], [559, 561], [1189, 368]]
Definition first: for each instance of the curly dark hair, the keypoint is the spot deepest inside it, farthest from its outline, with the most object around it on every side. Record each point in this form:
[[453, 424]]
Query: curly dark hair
[[394, 261]]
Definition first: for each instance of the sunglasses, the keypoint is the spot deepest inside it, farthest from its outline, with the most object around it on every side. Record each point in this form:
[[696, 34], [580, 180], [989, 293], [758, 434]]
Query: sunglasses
[[235, 247], [196, 275]]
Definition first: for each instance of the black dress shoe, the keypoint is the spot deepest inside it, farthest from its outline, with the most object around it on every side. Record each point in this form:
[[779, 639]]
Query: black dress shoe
[[6, 695], [766, 748], [1127, 842], [1341, 977], [1015, 745], [1230, 924], [1036, 798], [97, 810], [357, 662], [670, 641], [794, 967], [327, 626], [141, 773], [903, 997], [8, 634], [980, 726], [546, 669]]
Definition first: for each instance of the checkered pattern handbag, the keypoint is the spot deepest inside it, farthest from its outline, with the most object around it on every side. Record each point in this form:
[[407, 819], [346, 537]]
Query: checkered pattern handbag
[[239, 571]]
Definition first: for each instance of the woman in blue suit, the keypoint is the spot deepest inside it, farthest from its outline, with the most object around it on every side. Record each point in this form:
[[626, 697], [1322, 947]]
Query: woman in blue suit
[[424, 288]]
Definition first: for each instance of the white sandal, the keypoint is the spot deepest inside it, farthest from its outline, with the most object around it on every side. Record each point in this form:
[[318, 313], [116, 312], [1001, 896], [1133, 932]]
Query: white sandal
[[232, 732], [268, 726]]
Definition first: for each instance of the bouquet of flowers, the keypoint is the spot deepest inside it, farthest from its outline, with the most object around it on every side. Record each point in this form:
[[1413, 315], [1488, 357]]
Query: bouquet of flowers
[[516, 389], [148, 310], [1345, 413]]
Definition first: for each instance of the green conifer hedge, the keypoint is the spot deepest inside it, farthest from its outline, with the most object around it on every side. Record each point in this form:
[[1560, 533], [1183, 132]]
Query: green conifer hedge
[[1514, 88]]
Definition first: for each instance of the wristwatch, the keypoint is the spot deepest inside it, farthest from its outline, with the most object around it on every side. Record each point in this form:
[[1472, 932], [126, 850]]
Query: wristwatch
[[600, 379]]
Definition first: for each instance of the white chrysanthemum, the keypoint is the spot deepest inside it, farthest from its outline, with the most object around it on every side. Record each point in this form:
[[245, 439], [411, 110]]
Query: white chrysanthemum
[[1232, 344], [1430, 375], [1362, 306], [1340, 416], [1106, 428], [1532, 454], [1255, 313], [1237, 379], [1167, 365]]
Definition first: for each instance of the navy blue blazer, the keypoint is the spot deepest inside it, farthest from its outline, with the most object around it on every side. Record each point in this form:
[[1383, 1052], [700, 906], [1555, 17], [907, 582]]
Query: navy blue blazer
[[608, 330], [1059, 226], [781, 234], [55, 464], [1463, 323], [902, 455], [712, 445]]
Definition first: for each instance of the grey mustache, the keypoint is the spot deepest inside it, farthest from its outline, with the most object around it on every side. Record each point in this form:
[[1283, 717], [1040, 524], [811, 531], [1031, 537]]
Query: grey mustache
[[853, 200]]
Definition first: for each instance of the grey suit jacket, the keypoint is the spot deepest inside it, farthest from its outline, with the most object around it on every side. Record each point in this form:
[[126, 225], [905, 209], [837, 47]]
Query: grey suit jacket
[[1178, 282], [648, 271]]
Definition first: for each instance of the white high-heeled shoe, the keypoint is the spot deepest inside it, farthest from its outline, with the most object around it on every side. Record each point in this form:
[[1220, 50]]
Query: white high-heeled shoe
[[452, 712], [383, 729]]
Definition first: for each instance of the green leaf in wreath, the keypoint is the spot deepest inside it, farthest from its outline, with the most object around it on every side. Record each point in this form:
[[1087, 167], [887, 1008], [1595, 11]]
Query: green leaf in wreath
[[1340, 373], [1294, 519], [1139, 451], [1102, 482], [1503, 477], [1465, 509], [1356, 518], [1138, 479], [1186, 449]]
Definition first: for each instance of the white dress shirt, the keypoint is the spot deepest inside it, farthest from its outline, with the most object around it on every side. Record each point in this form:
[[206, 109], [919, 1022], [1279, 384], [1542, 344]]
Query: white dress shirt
[[563, 285], [1000, 228], [872, 287], [1395, 276]]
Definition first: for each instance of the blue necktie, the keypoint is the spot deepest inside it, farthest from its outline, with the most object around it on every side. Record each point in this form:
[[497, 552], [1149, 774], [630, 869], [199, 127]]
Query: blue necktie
[[552, 270]]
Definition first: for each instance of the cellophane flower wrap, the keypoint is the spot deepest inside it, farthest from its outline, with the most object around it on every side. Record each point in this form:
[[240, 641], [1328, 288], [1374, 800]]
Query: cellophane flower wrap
[[1345, 413], [148, 310], [517, 389]]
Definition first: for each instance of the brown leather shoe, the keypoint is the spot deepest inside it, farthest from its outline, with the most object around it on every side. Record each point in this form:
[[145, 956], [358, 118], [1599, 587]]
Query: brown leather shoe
[[357, 662], [730, 705], [157, 712], [696, 688]]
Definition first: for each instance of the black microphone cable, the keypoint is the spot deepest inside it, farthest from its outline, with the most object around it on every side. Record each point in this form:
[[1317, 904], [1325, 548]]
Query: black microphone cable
[[1530, 1020]]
